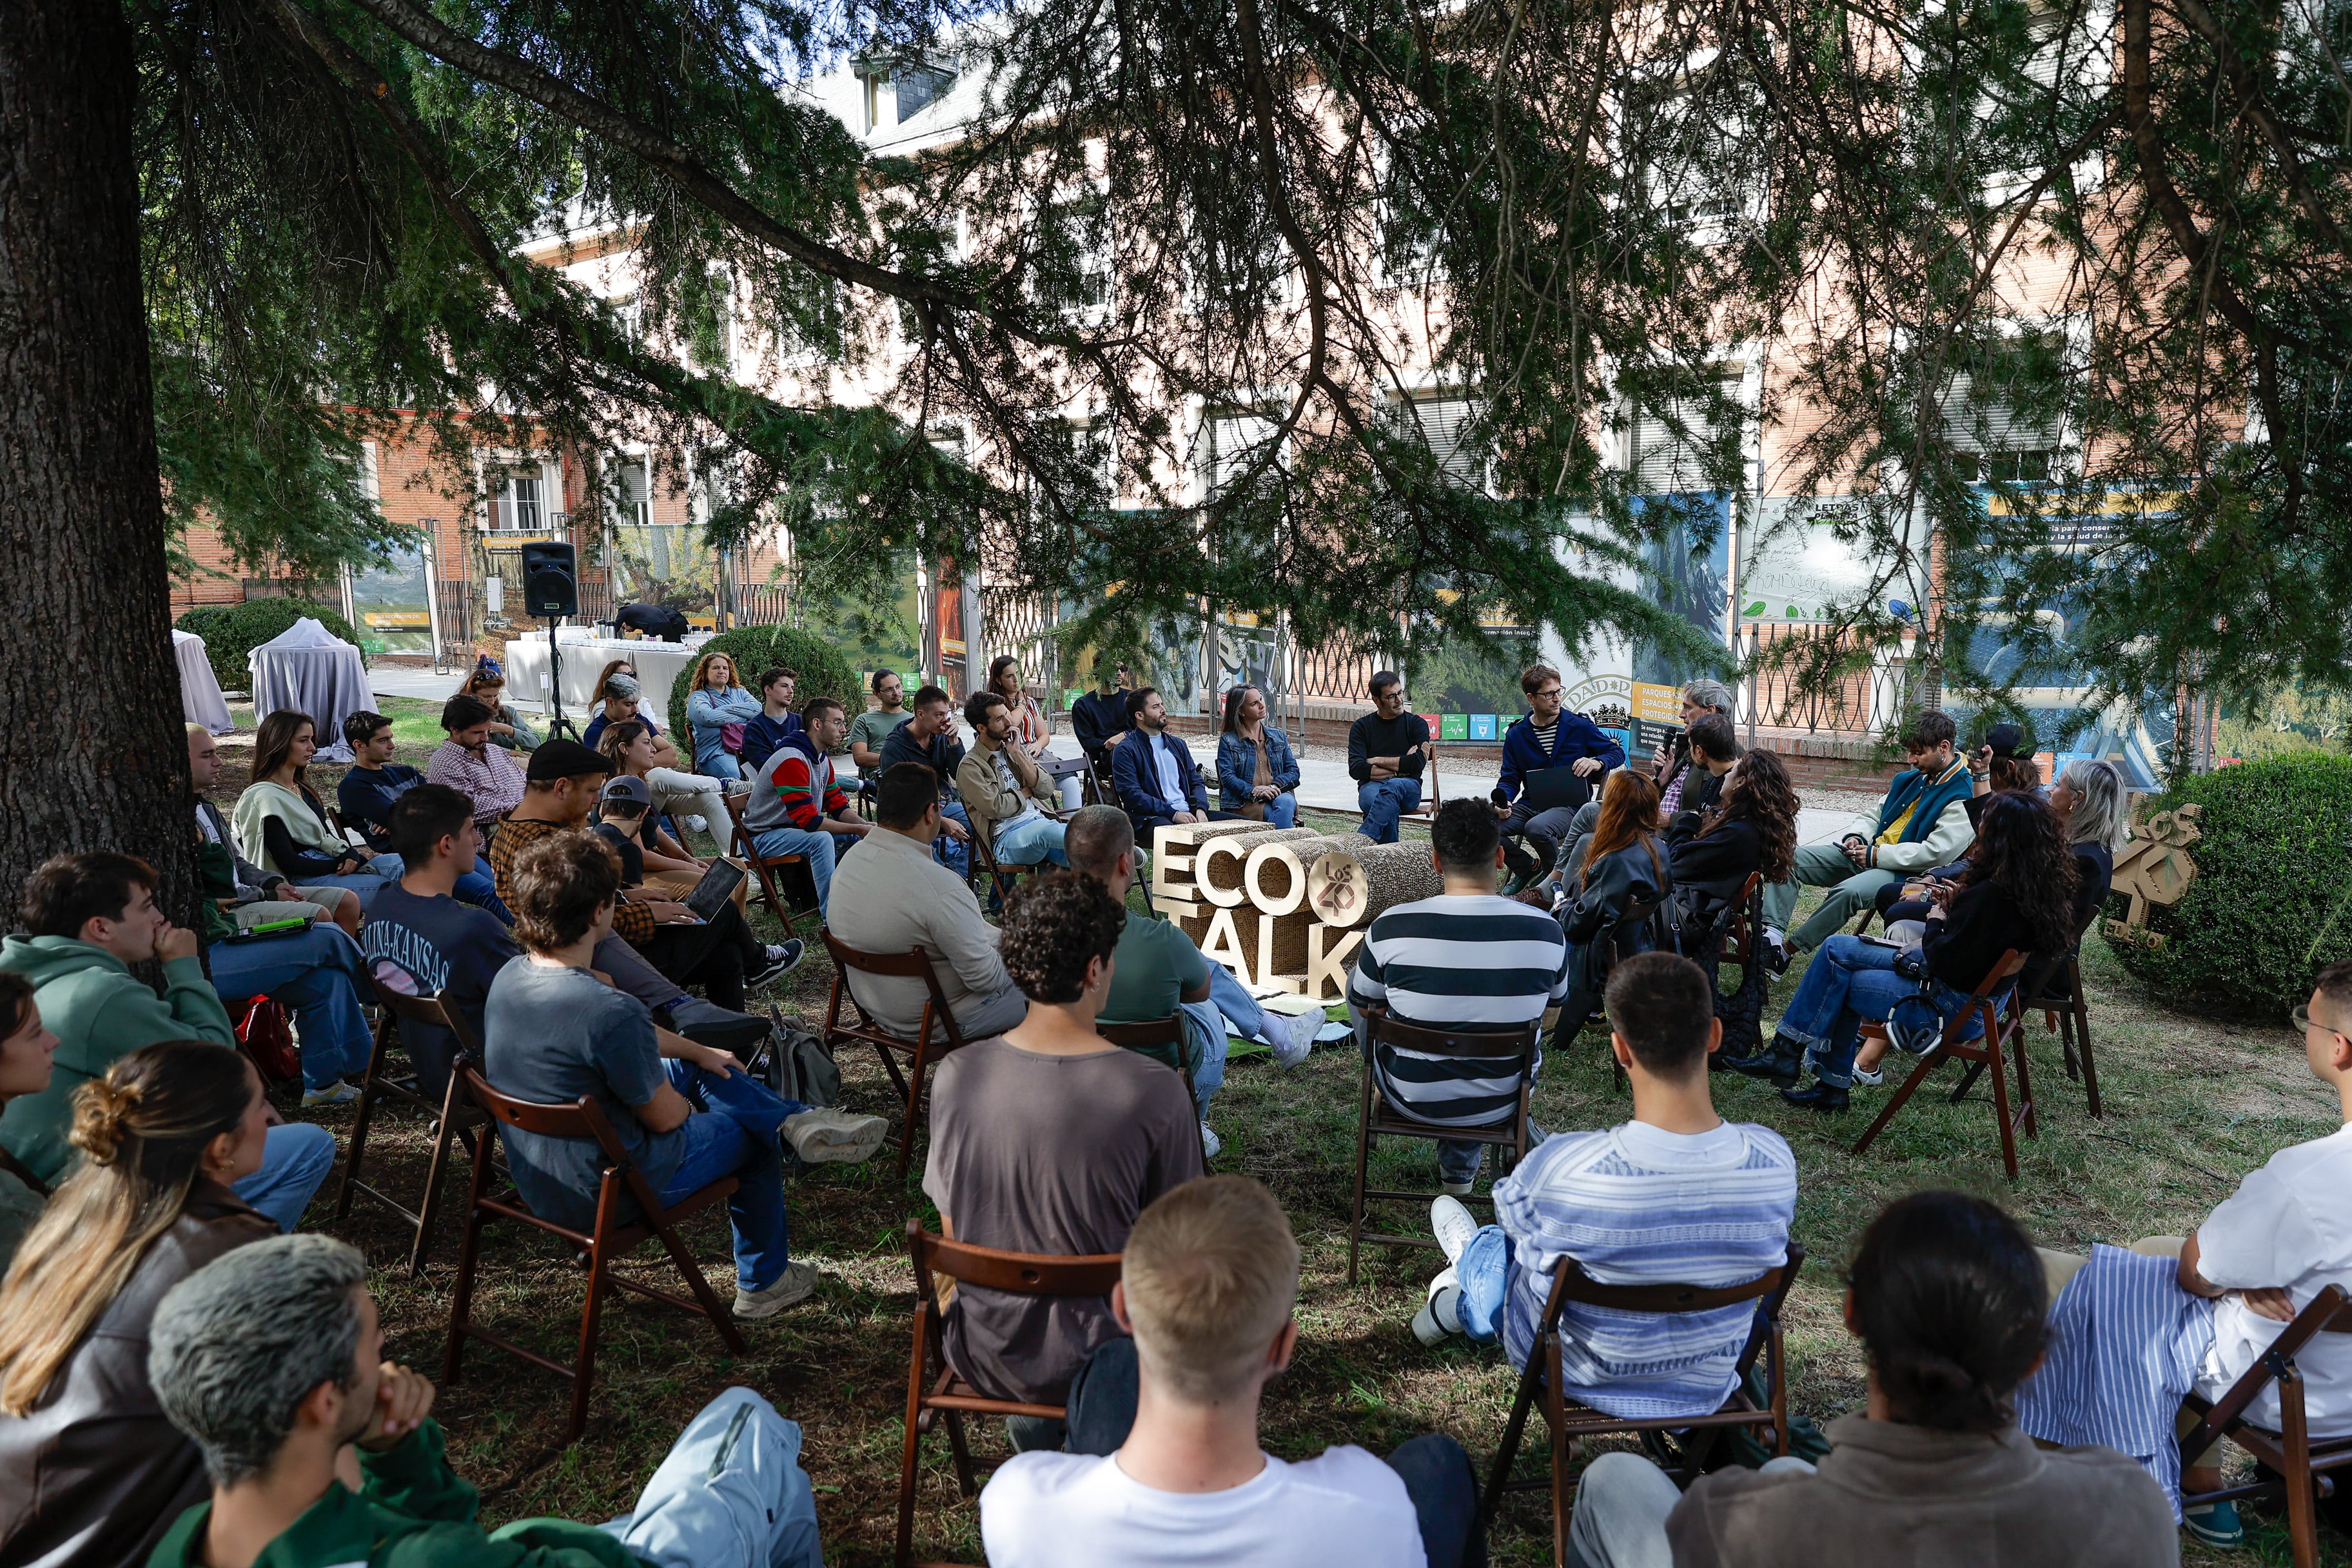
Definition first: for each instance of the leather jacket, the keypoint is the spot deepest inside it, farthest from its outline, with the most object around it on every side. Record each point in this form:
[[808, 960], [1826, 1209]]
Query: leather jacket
[[95, 1475]]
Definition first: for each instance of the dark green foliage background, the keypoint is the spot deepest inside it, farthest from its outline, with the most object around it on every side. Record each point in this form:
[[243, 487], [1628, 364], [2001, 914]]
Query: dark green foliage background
[[232, 631], [822, 671], [2272, 867]]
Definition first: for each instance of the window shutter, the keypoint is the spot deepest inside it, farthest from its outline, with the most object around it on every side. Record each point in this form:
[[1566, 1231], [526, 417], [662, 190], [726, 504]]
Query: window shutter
[[1442, 421]]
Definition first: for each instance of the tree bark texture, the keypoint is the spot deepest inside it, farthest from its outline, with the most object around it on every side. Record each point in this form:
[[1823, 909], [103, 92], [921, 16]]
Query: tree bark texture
[[92, 752]]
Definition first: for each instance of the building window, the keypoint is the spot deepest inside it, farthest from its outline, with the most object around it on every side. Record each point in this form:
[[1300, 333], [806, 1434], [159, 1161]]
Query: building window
[[1993, 443], [1672, 441], [633, 493], [519, 496], [917, 86]]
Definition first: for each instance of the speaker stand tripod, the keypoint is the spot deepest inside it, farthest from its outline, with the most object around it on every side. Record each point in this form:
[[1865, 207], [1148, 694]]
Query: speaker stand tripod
[[557, 724]]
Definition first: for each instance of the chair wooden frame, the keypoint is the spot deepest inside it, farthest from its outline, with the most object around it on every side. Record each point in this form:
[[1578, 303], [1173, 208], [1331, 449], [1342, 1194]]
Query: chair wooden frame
[[2068, 1017], [609, 1239], [1376, 1118], [456, 1120], [1569, 1421], [1431, 795], [1997, 1046], [921, 1051], [2301, 1463], [1004, 878], [1151, 1036], [933, 1388], [764, 867]]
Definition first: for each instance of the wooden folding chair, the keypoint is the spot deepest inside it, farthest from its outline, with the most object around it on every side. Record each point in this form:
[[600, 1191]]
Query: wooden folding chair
[[1003, 877], [764, 867], [609, 1239], [1741, 942], [933, 1389], [1431, 795], [456, 1118], [1571, 1423], [921, 1051], [1377, 1118], [2300, 1463], [2064, 1012], [1997, 1046]]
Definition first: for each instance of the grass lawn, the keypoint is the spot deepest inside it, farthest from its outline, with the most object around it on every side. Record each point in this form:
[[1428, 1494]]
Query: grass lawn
[[2191, 1101]]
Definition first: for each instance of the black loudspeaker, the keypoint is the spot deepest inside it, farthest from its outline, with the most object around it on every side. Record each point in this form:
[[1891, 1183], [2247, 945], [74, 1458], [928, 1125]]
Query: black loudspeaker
[[549, 583]]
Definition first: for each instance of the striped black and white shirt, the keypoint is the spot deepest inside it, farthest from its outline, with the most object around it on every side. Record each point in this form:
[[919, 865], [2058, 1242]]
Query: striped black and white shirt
[[1459, 963]]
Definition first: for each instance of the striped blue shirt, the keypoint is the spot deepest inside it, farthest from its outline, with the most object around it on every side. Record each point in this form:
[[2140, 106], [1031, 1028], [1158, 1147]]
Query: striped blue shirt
[[1635, 1205], [1472, 963]]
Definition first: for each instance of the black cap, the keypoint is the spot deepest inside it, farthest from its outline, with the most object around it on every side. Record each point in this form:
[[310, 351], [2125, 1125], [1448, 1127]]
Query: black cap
[[2003, 739], [564, 760]]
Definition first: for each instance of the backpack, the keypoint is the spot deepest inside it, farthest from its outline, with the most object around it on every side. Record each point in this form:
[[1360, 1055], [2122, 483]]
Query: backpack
[[799, 1066], [268, 1039]]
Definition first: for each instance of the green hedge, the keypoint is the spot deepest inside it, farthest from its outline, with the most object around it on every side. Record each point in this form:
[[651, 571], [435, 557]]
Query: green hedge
[[232, 631], [2273, 868], [823, 669]]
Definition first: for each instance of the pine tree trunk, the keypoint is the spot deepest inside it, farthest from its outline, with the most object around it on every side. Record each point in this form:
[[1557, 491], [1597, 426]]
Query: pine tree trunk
[[92, 754]]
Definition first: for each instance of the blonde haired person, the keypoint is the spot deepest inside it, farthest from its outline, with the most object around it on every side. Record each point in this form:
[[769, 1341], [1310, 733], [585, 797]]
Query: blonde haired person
[[90, 1471], [717, 701], [1210, 1279], [488, 686]]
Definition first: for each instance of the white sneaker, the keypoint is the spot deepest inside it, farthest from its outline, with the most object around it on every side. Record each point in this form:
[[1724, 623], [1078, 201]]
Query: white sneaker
[[699, 823], [1295, 1036], [831, 1136], [1211, 1144], [799, 1281], [1454, 1225], [1441, 1314], [336, 1093]]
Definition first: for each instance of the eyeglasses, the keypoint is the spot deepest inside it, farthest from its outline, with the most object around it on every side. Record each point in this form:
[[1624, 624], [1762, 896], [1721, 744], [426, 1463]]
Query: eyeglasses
[[2301, 1019], [1548, 691]]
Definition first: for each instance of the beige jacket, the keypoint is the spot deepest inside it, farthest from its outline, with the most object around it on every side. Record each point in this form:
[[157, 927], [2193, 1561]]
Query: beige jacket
[[891, 896], [986, 800]]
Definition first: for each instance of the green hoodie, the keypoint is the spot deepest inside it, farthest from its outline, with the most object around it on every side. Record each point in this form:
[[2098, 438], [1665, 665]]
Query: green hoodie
[[99, 1013]]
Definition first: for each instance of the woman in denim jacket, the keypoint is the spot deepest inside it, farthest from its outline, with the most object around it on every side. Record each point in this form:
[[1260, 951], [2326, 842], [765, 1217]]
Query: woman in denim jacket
[[1255, 767]]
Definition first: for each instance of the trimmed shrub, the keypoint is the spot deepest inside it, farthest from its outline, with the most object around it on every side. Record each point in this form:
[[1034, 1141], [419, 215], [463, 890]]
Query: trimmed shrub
[[2269, 906], [822, 671], [232, 631]]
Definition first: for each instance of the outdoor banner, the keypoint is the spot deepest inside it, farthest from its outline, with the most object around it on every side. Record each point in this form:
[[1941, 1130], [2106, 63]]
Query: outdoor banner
[[665, 564], [1634, 692], [392, 603], [884, 637], [1248, 654]]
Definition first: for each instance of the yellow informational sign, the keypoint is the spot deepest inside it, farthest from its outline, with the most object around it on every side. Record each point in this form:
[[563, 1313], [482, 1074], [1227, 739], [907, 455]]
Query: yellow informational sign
[[1659, 704]]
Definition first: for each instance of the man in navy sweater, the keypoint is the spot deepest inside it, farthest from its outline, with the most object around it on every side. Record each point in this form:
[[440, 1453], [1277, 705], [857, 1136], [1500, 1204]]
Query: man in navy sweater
[[1545, 739]]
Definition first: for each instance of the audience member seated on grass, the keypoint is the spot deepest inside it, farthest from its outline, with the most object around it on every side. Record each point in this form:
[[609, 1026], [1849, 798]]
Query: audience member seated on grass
[[2017, 893], [797, 806], [260, 897], [89, 1469], [88, 919], [468, 764], [1160, 974], [26, 1049], [314, 972], [1257, 777], [1545, 737], [281, 823], [869, 729], [1387, 750], [721, 956], [716, 702], [929, 737], [1676, 768], [421, 942], [364, 799], [1006, 795], [1947, 1300], [1676, 1196], [1923, 821], [773, 724], [2260, 1257], [1466, 960], [1052, 1140], [1624, 866], [319, 1451], [553, 1032], [1210, 1284], [508, 728], [891, 897], [1153, 772], [1099, 718]]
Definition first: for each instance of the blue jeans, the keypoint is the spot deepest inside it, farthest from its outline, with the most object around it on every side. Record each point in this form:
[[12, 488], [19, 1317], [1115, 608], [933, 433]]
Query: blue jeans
[[1850, 980], [948, 852], [1444, 1485], [1027, 843], [819, 848], [319, 976], [295, 1158], [1382, 802], [1484, 1273], [479, 889], [1282, 811], [732, 1494], [736, 1136], [717, 761], [1228, 1003]]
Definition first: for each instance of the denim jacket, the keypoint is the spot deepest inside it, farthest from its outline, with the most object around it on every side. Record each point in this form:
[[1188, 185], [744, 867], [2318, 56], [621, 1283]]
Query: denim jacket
[[1237, 765]]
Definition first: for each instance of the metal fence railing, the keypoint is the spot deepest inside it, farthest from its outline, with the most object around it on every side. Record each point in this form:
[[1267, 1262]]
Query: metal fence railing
[[1811, 678]]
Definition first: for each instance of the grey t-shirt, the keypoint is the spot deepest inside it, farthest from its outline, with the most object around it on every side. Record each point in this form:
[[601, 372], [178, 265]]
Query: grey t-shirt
[[553, 1035], [1052, 1154], [873, 727]]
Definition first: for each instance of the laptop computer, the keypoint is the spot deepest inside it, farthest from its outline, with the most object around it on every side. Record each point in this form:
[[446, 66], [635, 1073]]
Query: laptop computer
[[717, 886], [1552, 788]]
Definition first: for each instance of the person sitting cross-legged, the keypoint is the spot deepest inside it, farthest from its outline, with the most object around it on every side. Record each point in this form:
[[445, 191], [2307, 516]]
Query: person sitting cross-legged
[[1153, 771], [320, 1451], [1545, 737], [1160, 972], [88, 919], [1946, 1298], [1387, 751], [281, 823], [689, 1114], [797, 806], [1676, 1195], [1006, 794], [1050, 1139], [699, 800], [929, 737], [1256, 771], [1467, 960], [1209, 1287]]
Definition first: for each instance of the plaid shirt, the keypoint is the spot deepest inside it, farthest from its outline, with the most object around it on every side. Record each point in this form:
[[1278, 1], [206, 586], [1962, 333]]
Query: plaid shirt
[[493, 781], [632, 923]]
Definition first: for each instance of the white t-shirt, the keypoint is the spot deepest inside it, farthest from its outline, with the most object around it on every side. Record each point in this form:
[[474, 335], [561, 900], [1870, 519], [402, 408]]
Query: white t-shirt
[[2288, 1225], [1344, 1507]]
